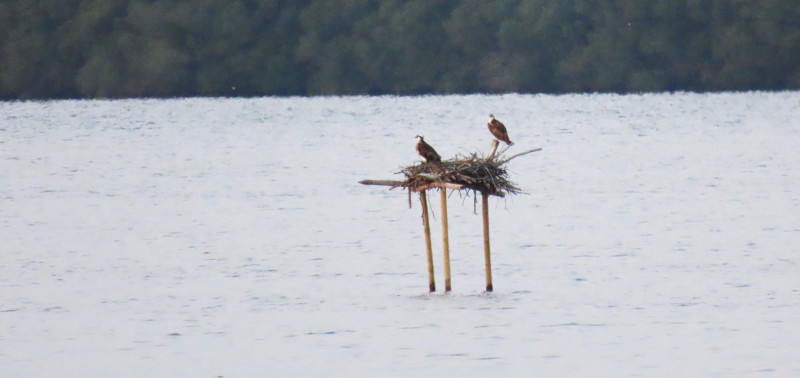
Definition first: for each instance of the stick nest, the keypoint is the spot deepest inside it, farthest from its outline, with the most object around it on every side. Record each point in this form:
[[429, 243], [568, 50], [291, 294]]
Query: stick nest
[[473, 172]]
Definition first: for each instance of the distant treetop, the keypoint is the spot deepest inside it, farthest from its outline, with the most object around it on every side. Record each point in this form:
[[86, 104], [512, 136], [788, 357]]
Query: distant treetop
[[167, 48]]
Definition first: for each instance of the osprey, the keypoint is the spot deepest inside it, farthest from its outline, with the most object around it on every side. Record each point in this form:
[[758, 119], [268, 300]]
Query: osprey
[[499, 130], [426, 152]]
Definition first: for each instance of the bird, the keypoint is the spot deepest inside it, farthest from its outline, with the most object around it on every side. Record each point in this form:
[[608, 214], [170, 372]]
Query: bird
[[426, 152], [499, 130]]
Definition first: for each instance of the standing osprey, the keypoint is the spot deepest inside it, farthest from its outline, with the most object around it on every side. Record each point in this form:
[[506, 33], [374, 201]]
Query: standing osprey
[[499, 130], [426, 152]]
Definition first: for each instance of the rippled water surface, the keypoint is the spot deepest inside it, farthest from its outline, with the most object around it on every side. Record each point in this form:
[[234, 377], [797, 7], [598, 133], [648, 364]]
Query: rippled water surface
[[659, 235]]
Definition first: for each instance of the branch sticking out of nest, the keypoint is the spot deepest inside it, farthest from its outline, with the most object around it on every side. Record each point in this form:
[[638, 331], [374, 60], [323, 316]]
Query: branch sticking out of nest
[[471, 172]]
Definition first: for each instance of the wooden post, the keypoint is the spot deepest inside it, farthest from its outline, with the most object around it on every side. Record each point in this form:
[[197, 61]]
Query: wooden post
[[445, 239], [423, 198], [492, 149], [486, 252]]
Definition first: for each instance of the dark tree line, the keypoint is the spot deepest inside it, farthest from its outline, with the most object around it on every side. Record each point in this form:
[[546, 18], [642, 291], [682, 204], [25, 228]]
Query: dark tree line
[[166, 48]]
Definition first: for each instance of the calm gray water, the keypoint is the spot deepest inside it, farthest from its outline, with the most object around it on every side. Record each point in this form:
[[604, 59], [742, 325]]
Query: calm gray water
[[659, 235]]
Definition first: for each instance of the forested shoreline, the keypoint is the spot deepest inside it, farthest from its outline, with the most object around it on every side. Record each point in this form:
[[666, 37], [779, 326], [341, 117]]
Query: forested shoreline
[[169, 48]]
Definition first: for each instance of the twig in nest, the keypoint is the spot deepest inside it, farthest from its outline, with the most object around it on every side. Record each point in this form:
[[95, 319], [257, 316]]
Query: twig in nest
[[519, 154]]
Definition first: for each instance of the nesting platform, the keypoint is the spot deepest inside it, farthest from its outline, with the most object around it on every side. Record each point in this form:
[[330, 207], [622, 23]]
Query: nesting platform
[[473, 172], [487, 175]]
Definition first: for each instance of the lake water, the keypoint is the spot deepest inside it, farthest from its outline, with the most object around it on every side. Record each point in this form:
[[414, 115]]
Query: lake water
[[659, 236]]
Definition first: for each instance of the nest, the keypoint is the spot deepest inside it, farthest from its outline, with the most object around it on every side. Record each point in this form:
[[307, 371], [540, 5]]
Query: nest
[[471, 172]]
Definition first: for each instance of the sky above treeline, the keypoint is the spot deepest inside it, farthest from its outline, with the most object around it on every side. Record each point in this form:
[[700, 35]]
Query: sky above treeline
[[166, 48]]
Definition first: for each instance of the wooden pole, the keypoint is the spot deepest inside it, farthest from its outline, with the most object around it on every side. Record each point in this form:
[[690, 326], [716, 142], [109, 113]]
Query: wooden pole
[[492, 149], [445, 240], [423, 198], [396, 184], [486, 251]]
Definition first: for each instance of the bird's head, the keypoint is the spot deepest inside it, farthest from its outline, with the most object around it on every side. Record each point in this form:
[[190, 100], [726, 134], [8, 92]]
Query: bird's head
[[418, 138], [491, 117]]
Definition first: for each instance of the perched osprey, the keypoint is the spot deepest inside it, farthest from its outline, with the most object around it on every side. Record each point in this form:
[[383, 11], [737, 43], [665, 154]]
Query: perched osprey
[[426, 152], [499, 130]]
